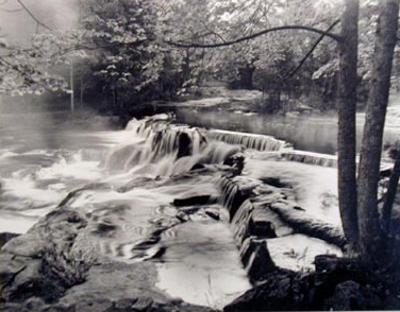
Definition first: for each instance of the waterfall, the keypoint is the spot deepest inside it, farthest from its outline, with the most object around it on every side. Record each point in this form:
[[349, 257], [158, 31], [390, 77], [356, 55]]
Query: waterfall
[[311, 158], [241, 222], [248, 140], [228, 191], [161, 148], [158, 146]]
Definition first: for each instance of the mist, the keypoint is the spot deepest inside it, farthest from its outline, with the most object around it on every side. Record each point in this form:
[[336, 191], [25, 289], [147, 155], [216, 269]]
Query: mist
[[17, 26]]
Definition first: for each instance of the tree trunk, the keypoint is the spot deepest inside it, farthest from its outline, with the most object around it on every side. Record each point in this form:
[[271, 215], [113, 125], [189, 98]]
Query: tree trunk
[[369, 227], [391, 195], [72, 104], [81, 92], [347, 101]]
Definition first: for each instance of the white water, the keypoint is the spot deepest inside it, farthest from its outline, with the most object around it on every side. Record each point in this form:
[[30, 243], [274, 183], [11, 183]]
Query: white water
[[140, 176], [134, 168]]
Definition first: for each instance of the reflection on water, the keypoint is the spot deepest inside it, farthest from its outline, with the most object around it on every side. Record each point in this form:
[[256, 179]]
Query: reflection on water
[[211, 246], [308, 133]]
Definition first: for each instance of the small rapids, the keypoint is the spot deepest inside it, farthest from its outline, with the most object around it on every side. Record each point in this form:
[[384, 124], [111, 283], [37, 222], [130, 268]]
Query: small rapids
[[154, 192]]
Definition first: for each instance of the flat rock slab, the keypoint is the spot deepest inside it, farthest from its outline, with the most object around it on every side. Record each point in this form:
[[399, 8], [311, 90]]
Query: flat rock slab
[[39, 273]]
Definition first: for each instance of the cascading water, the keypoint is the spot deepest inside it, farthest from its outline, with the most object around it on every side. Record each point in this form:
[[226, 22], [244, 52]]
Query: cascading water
[[249, 140], [127, 201], [311, 158], [131, 180]]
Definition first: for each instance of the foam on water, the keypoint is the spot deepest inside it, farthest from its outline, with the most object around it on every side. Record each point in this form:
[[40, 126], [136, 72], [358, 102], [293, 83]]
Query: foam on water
[[315, 187], [128, 207], [132, 178]]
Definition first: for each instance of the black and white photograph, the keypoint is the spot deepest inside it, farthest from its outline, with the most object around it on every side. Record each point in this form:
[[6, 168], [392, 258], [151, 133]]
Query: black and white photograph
[[199, 155]]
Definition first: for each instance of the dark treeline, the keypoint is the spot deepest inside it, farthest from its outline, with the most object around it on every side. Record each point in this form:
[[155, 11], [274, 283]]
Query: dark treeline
[[119, 53]]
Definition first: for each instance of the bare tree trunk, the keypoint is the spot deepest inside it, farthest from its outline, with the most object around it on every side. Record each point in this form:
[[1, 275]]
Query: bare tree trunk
[[369, 227], [347, 101], [391, 195]]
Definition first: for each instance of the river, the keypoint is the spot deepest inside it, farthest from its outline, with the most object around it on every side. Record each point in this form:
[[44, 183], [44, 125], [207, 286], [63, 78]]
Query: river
[[316, 133], [43, 157]]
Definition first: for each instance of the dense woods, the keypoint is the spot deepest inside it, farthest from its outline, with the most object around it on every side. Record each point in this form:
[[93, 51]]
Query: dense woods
[[126, 52]]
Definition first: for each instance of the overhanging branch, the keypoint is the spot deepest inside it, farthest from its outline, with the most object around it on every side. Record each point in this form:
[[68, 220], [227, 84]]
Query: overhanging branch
[[252, 36], [33, 16], [294, 71]]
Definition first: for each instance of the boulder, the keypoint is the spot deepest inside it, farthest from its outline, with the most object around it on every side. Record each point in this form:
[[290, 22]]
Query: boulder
[[184, 145], [212, 213], [256, 258], [261, 226], [280, 291], [275, 182], [308, 225], [194, 200], [236, 162], [5, 237], [350, 295]]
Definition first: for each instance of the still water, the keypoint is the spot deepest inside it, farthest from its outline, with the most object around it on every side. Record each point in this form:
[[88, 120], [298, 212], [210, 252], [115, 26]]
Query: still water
[[315, 133]]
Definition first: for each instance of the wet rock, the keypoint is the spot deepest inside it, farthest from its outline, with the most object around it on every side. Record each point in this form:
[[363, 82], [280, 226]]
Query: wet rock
[[40, 263], [264, 214], [52, 268], [121, 287], [353, 296], [260, 264], [184, 145], [236, 162], [325, 265], [194, 200], [5, 237], [137, 182], [212, 213], [94, 305], [261, 226], [275, 182], [143, 304], [30, 282], [10, 267], [29, 245], [105, 229], [182, 216], [34, 304], [342, 284], [280, 291], [190, 209], [125, 304], [304, 223], [197, 167]]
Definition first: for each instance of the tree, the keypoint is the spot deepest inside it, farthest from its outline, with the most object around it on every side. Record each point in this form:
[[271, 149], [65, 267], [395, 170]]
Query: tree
[[347, 101], [371, 239], [358, 198]]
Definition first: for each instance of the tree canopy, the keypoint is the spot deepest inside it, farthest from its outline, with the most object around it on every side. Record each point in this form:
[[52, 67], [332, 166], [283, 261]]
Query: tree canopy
[[125, 48]]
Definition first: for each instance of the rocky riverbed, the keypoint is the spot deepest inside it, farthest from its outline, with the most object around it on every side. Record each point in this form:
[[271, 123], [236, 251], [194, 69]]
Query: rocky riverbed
[[191, 220]]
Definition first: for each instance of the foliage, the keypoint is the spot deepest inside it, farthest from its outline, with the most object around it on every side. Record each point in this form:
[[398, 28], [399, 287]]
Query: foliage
[[118, 49]]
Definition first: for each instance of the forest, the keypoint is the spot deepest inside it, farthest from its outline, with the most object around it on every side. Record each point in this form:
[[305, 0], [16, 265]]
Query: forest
[[126, 52], [277, 121]]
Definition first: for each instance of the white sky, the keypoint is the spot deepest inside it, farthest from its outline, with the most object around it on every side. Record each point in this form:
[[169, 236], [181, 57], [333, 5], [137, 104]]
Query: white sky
[[18, 26]]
